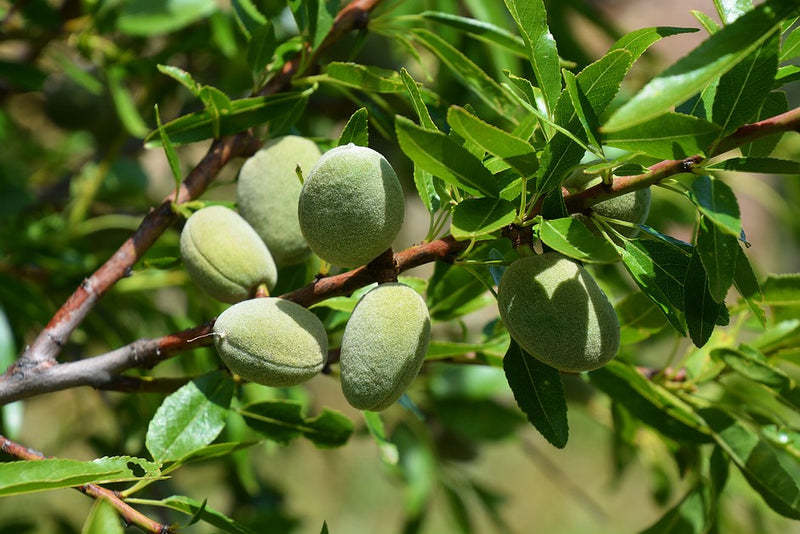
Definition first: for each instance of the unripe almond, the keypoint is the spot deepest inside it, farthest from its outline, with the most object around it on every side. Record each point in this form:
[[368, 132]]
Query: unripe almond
[[271, 341], [556, 311], [224, 255], [351, 206], [632, 207], [384, 345], [267, 193]]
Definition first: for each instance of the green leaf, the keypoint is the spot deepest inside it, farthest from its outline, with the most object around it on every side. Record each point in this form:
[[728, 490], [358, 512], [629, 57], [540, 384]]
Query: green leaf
[[539, 393], [651, 403], [388, 450], [169, 151], [730, 10], [53, 473], [476, 217], [718, 252], [415, 96], [244, 113], [668, 136], [154, 17], [748, 287], [790, 48], [710, 25], [531, 19], [320, 15], [356, 130], [753, 365], [571, 237], [124, 103], [772, 472], [454, 292], [190, 418], [261, 49], [639, 318], [465, 70], [364, 77], [775, 104], [782, 289], [182, 77], [638, 41], [103, 519], [659, 270], [484, 31], [193, 507], [423, 180], [713, 58], [762, 165], [518, 153], [248, 16], [689, 516], [585, 114], [741, 91], [718, 202], [283, 420], [447, 349], [438, 154], [700, 309], [598, 83]]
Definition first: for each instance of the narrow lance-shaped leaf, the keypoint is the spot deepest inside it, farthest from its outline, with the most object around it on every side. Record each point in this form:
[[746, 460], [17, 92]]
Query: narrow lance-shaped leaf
[[476, 217], [356, 130], [659, 268], [718, 252], [261, 49], [124, 103], [248, 16], [741, 91], [531, 19], [518, 153], [730, 10], [539, 393], [650, 402], [582, 109], [718, 202], [760, 165], [467, 71], [283, 421], [713, 58], [480, 29], [700, 309], [243, 114], [202, 511], [638, 41], [364, 77], [689, 516], [571, 237], [599, 83], [423, 180], [438, 154], [53, 473], [771, 471], [190, 418], [103, 519], [169, 151], [668, 136], [748, 287]]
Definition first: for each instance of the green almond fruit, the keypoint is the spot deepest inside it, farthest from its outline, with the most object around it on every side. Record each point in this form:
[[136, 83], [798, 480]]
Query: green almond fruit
[[557, 313], [224, 255], [384, 345], [632, 207], [271, 341], [351, 206], [267, 193]]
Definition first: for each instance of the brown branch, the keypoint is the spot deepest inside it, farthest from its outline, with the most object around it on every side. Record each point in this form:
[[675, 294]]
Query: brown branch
[[103, 371], [47, 345], [129, 514]]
